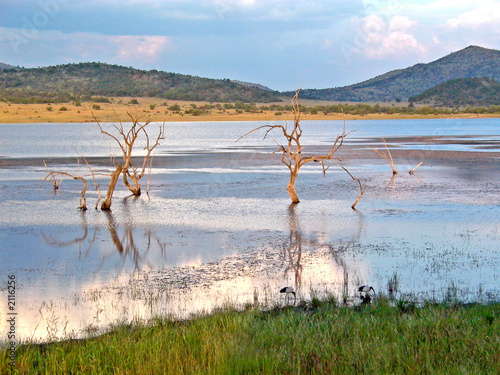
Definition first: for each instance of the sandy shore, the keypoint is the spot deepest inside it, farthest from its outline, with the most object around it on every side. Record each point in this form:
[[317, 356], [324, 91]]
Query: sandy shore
[[159, 110]]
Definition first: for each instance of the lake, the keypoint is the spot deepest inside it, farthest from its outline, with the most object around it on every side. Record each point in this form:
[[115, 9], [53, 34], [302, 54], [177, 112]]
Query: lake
[[217, 226]]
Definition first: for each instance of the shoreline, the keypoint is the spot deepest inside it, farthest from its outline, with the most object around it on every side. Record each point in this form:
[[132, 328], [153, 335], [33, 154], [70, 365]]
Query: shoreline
[[159, 111]]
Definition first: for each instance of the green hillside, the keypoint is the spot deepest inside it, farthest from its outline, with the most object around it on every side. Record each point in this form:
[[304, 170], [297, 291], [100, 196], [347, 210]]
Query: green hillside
[[471, 62], [462, 92], [68, 82]]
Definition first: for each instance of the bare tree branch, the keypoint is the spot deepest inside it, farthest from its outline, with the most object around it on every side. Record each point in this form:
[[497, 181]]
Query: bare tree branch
[[412, 171], [126, 140], [388, 156], [53, 176], [292, 151]]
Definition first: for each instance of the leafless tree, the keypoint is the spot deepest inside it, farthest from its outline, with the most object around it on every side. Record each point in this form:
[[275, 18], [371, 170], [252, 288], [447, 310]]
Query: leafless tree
[[57, 177], [53, 178], [292, 155], [106, 203], [412, 171], [388, 156], [126, 139]]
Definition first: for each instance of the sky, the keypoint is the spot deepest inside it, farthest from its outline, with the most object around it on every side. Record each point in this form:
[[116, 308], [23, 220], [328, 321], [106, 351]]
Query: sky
[[282, 44]]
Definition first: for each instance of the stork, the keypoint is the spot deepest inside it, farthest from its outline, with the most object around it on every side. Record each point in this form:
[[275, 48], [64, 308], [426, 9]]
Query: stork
[[287, 290], [365, 293]]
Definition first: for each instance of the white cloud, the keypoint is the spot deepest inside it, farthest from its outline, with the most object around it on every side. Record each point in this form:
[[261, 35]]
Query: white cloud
[[140, 47], [388, 39], [487, 14], [47, 45]]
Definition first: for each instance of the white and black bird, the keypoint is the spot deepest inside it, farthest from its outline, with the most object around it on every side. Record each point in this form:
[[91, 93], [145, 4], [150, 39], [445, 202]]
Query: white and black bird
[[365, 293], [366, 289], [288, 290]]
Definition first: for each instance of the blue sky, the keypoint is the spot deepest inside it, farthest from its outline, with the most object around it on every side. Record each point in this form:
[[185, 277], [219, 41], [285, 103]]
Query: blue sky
[[283, 44]]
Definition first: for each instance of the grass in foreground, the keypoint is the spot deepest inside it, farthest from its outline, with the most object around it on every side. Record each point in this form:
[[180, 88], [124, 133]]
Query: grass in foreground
[[376, 339]]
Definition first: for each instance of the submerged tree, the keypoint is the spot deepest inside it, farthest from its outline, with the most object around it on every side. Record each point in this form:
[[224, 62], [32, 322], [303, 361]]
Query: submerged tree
[[57, 177], [292, 155], [126, 140], [388, 156]]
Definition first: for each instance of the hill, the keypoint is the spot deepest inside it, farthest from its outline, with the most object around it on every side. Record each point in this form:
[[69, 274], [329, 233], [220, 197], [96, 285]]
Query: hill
[[461, 92], [7, 66], [471, 62], [69, 82]]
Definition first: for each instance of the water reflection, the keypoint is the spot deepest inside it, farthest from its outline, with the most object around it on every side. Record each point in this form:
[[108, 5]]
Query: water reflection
[[253, 274], [292, 249], [338, 277], [84, 246], [125, 244]]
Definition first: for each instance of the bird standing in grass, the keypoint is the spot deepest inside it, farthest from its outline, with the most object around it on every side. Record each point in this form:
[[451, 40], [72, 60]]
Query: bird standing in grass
[[288, 290], [365, 293]]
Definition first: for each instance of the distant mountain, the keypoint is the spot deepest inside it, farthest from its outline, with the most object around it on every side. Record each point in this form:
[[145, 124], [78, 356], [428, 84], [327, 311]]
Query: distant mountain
[[461, 92], [66, 82], [471, 62], [7, 66]]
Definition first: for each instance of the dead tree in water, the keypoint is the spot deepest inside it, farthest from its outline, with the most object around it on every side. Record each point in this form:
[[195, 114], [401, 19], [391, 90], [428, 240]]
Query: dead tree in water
[[52, 177], [292, 155], [56, 178], [412, 171], [106, 204], [126, 139], [388, 156]]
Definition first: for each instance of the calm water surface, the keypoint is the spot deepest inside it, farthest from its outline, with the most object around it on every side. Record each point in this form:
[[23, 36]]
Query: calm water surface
[[217, 226]]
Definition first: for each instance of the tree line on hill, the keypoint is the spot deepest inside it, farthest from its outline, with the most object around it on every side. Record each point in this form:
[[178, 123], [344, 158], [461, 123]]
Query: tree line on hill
[[473, 91], [72, 82]]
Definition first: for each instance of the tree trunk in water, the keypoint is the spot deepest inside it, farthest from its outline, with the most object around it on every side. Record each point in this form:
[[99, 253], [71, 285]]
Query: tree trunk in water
[[106, 205], [83, 200], [136, 189], [291, 189]]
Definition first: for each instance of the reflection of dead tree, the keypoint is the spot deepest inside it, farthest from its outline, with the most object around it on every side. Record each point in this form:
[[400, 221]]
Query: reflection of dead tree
[[52, 241], [340, 262], [126, 244], [293, 249], [126, 139], [292, 152], [388, 156]]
